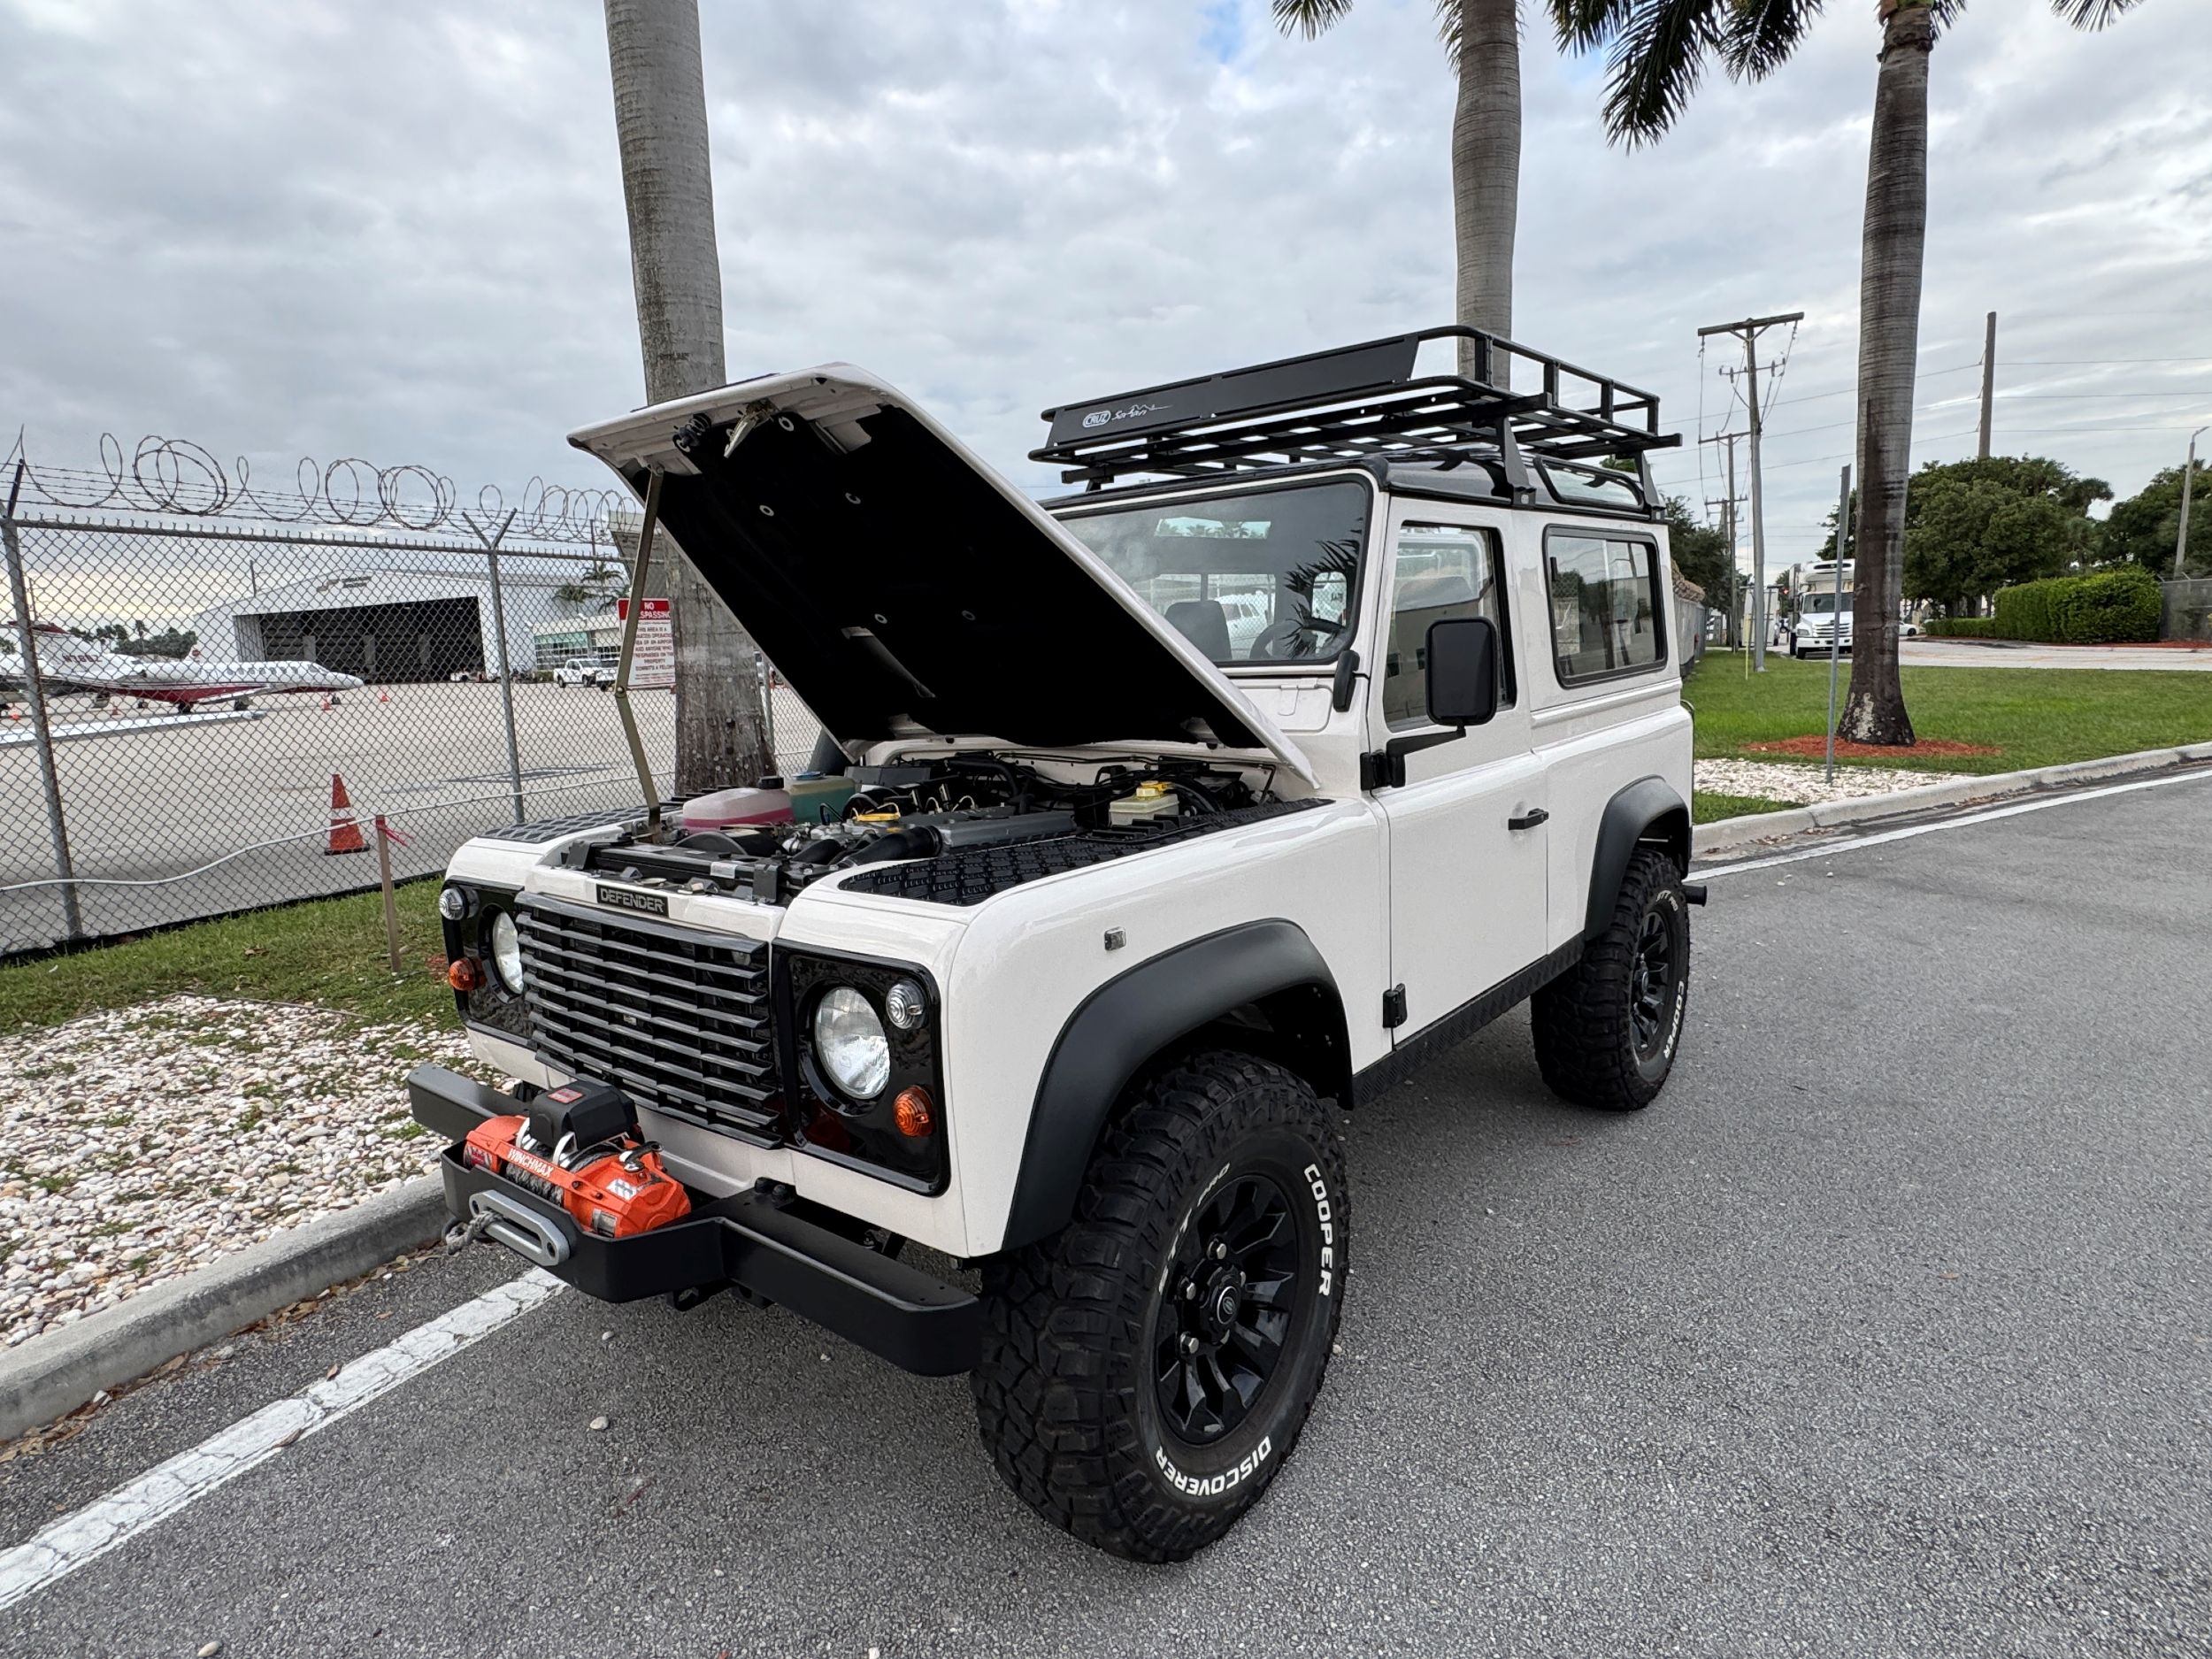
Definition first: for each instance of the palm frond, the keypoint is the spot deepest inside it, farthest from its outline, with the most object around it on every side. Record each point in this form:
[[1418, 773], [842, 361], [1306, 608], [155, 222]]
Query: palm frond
[[1583, 25], [1655, 60], [2092, 14], [1309, 18], [1762, 34]]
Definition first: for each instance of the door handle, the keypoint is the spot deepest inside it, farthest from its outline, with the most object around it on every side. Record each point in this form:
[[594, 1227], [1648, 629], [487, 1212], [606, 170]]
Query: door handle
[[1528, 820]]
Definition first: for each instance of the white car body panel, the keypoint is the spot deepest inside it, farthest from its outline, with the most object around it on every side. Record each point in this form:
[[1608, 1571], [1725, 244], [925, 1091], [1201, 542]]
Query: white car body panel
[[1424, 886]]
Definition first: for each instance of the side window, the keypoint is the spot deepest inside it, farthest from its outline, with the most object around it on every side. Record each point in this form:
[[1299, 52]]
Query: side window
[[1604, 604], [1440, 572]]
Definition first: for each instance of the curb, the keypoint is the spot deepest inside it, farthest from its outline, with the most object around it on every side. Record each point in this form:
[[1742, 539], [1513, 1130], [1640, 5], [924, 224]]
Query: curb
[[54, 1373], [1728, 834]]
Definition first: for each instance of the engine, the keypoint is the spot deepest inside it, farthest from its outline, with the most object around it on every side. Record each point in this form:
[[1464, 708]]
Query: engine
[[922, 809]]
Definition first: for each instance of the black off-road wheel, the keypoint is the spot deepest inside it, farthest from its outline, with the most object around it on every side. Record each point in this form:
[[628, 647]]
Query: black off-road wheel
[[1606, 1029], [1146, 1371]]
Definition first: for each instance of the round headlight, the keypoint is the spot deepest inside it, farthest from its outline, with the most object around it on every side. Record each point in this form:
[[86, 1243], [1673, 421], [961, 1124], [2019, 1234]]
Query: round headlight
[[453, 903], [507, 952], [848, 1040]]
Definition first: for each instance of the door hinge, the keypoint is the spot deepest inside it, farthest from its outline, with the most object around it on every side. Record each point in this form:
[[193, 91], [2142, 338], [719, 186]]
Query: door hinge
[[1393, 1008]]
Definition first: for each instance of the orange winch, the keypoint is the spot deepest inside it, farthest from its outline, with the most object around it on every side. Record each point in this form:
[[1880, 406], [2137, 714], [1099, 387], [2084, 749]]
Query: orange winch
[[615, 1187]]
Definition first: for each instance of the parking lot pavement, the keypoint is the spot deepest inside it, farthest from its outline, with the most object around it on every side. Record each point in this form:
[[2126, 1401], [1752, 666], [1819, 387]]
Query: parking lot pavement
[[1923, 652], [1885, 1331]]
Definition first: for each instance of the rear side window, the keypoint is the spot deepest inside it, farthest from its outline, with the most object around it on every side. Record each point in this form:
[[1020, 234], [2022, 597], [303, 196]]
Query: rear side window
[[1440, 572], [1604, 604]]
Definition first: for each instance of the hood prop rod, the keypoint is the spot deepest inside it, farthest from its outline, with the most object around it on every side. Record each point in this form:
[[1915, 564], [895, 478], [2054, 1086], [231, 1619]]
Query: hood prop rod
[[653, 481]]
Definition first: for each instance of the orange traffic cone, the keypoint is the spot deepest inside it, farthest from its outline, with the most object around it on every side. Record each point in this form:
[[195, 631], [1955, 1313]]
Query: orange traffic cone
[[345, 829]]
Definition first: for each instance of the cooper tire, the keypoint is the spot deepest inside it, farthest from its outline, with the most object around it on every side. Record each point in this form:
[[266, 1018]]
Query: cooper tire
[[1607, 1029], [1116, 1384]]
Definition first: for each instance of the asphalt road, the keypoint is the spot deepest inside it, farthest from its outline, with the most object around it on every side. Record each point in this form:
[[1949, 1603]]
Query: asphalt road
[[1886, 1330], [1932, 653]]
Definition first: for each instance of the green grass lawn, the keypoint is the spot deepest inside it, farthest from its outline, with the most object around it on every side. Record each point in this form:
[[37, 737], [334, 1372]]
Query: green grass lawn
[[2034, 716], [329, 951], [1707, 806]]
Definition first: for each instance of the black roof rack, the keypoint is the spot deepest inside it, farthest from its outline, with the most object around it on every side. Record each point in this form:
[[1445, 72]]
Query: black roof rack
[[1356, 403]]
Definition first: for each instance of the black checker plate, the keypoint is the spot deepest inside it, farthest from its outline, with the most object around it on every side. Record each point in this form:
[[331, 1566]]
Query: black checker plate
[[974, 876]]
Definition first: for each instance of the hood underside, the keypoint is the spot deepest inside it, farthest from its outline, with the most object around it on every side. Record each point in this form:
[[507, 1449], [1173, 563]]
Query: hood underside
[[901, 586]]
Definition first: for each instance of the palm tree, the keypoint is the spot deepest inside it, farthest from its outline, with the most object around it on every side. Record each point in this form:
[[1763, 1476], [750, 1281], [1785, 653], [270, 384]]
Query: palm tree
[[660, 109], [1657, 50], [1482, 40]]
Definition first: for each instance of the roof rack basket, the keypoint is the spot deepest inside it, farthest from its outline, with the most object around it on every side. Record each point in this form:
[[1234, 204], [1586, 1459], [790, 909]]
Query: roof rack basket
[[1358, 403]]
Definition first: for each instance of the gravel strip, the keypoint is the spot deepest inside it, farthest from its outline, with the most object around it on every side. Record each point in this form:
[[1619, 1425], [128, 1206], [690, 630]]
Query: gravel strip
[[140, 1143], [1800, 783]]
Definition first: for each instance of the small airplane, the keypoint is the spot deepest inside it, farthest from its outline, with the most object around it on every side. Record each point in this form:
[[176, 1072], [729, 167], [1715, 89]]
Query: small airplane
[[66, 663]]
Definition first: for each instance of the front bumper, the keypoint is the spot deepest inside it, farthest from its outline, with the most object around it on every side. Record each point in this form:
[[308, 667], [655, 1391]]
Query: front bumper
[[747, 1241]]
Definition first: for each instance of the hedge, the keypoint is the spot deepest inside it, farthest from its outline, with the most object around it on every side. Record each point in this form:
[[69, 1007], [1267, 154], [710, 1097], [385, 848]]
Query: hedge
[[1963, 627], [2107, 608]]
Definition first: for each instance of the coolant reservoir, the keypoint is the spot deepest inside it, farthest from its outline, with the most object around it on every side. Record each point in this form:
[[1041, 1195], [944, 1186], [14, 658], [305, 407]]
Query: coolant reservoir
[[726, 808]]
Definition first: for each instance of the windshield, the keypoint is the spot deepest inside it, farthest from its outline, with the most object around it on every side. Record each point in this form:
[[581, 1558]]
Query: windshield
[[1265, 576], [1818, 605]]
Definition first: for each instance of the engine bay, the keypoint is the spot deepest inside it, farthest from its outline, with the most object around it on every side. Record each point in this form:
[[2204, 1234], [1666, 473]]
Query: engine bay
[[928, 807]]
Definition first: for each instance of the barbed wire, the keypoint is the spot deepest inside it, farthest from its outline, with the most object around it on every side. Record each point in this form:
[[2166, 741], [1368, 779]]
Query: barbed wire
[[179, 477]]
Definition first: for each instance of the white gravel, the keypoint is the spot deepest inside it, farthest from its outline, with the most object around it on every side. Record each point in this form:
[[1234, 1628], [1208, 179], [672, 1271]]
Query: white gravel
[[138, 1144], [1800, 783]]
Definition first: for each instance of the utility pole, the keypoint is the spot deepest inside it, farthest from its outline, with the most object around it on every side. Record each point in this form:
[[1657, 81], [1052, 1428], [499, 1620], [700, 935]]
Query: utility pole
[[2188, 477], [1989, 380], [1727, 506], [1748, 331]]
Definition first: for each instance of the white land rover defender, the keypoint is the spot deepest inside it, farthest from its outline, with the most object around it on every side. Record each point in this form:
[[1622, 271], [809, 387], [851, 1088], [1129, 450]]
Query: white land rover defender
[[1128, 898]]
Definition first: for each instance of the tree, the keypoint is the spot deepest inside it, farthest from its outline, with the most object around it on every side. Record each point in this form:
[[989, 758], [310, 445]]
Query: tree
[[660, 112], [1971, 536], [2144, 527], [1657, 53], [1482, 41], [1700, 552], [1974, 526]]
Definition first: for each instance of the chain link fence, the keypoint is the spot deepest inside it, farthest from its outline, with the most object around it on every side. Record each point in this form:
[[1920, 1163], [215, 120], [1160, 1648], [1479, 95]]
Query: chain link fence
[[208, 692], [2188, 609]]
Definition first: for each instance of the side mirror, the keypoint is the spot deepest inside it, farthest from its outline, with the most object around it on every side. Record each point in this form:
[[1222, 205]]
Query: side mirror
[[1463, 670]]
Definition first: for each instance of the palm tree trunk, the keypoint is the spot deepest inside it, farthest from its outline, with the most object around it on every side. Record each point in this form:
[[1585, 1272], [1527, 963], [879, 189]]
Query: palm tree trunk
[[1890, 258], [660, 112], [1487, 164]]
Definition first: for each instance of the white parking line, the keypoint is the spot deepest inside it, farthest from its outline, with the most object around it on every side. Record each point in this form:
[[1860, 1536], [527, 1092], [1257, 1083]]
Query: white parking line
[[158, 1493], [1831, 848]]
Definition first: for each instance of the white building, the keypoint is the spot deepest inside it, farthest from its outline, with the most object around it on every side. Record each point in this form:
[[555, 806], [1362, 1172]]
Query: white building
[[400, 624]]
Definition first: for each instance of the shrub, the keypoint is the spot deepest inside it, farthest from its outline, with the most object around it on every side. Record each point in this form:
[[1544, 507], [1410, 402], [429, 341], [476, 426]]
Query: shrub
[[2023, 610], [2110, 606], [1963, 627]]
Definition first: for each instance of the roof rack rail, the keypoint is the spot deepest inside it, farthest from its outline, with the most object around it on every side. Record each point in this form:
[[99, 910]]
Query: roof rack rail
[[1354, 403]]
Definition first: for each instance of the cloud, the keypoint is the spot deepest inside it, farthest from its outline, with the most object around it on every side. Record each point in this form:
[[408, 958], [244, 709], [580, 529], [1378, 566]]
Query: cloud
[[397, 232]]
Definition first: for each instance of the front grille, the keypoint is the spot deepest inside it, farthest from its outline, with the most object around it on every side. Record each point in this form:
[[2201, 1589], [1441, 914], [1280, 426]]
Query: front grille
[[678, 1017]]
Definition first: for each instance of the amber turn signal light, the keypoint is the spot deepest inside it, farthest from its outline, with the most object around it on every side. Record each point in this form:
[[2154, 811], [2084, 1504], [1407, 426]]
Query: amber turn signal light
[[914, 1113], [466, 974]]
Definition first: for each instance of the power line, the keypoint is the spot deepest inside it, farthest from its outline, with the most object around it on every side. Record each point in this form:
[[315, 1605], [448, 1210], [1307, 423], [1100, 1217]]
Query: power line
[[2090, 363]]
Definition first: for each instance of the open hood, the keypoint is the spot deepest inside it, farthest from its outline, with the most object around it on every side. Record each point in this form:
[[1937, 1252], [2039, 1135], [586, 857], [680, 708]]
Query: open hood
[[901, 586]]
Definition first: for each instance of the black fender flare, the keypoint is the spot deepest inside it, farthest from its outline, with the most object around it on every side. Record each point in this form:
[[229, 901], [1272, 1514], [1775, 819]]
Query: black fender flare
[[1133, 1018], [1646, 812]]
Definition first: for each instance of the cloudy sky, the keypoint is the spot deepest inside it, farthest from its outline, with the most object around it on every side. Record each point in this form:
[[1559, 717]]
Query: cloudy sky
[[396, 231]]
